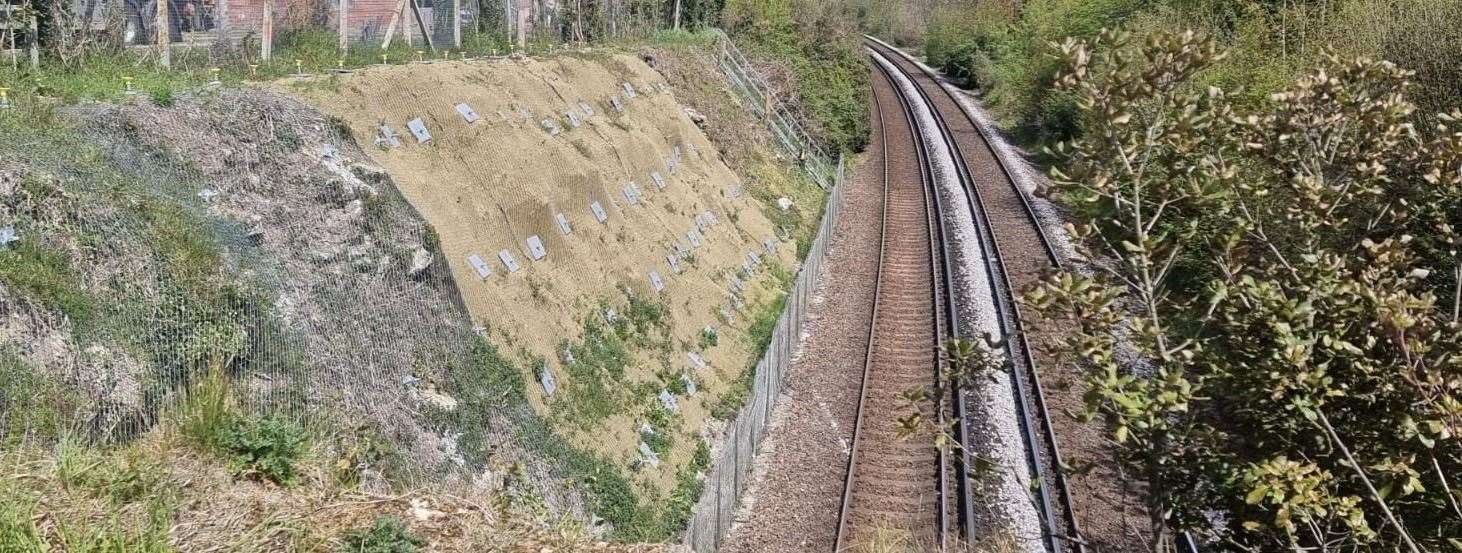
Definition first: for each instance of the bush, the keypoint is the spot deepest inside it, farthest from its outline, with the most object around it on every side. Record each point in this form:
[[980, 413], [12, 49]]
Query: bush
[[266, 448], [819, 44], [387, 535], [1307, 392]]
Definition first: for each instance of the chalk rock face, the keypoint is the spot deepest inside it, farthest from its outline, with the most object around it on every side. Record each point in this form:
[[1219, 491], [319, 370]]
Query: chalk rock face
[[420, 261], [696, 117]]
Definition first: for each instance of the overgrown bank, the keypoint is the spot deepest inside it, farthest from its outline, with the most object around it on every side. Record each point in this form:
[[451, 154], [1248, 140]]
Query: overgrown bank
[[1006, 50]]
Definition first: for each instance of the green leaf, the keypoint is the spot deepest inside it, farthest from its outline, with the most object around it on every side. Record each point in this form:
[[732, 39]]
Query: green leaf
[[1256, 495]]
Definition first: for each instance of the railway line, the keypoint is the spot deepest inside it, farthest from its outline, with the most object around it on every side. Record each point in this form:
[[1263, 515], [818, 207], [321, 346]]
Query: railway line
[[906, 483], [895, 483]]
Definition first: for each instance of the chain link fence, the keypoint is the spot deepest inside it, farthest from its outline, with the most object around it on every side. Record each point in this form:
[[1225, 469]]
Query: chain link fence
[[732, 464]]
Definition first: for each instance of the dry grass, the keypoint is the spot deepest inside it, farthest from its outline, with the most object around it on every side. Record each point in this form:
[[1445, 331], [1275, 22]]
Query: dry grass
[[161, 494]]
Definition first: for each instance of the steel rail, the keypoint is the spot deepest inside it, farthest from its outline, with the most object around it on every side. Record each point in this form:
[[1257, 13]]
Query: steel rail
[[1058, 536], [942, 272]]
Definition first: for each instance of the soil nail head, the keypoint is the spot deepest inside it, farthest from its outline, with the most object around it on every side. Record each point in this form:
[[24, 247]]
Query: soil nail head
[[214, 72], [127, 86]]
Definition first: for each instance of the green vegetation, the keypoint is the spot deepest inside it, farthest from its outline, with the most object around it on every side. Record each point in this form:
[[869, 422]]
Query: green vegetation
[[1301, 379], [758, 336], [1006, 49], [595, 387], [386, 535], [769, 181], [133, 533], [266, 448], [818, 42], [663, 424], [33, 403], [688, 488], [709, 338], [44, 273]]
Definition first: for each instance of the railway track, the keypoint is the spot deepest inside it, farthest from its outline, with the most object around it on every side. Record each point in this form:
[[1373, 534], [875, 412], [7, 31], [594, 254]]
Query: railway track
[[1006, 223], [893, 483]]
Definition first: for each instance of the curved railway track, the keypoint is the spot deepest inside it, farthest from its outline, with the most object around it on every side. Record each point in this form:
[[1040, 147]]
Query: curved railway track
[[1007, 223], [894, 483]]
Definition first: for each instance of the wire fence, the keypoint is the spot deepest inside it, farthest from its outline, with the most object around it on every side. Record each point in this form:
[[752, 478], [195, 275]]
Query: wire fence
[[731, 468], [790, 135]]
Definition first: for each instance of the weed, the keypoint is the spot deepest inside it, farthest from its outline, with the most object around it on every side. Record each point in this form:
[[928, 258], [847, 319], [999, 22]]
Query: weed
[[34, 404], [759, 335], [662, 425], [643, 320], [688, 488], [386, 535], [122, 477], [264, 447], [18, 531], [205, 415], [486, 384], [708, 339], [593, 391], [162, 96], [364, 449]]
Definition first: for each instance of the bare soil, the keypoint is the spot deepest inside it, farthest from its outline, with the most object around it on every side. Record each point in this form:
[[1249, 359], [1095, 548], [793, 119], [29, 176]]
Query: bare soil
[[793, 502]]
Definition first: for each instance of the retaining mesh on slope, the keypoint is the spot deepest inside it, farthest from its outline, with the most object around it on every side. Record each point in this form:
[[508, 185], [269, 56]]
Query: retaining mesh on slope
[[277, 259]]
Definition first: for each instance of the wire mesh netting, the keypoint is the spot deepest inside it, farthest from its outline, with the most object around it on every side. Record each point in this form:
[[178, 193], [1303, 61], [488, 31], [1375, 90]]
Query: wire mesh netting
[[245, 237], [203, 245]]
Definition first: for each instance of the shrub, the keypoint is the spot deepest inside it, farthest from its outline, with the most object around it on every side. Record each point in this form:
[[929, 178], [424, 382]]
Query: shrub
[[820, 47], [386, 535], [1308, 392]]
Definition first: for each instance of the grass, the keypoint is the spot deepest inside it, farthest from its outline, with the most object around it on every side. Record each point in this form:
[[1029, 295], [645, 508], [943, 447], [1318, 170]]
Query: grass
[[758, 336], [134, 513], [44, 273], [594, 388], [34, 404], [770, 181]]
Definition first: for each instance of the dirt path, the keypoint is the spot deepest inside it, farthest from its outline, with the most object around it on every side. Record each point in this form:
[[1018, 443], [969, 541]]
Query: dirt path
[[793, 503]]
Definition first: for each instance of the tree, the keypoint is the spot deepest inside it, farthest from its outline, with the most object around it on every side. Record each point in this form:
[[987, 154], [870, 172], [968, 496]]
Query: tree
[[1309, 395]]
